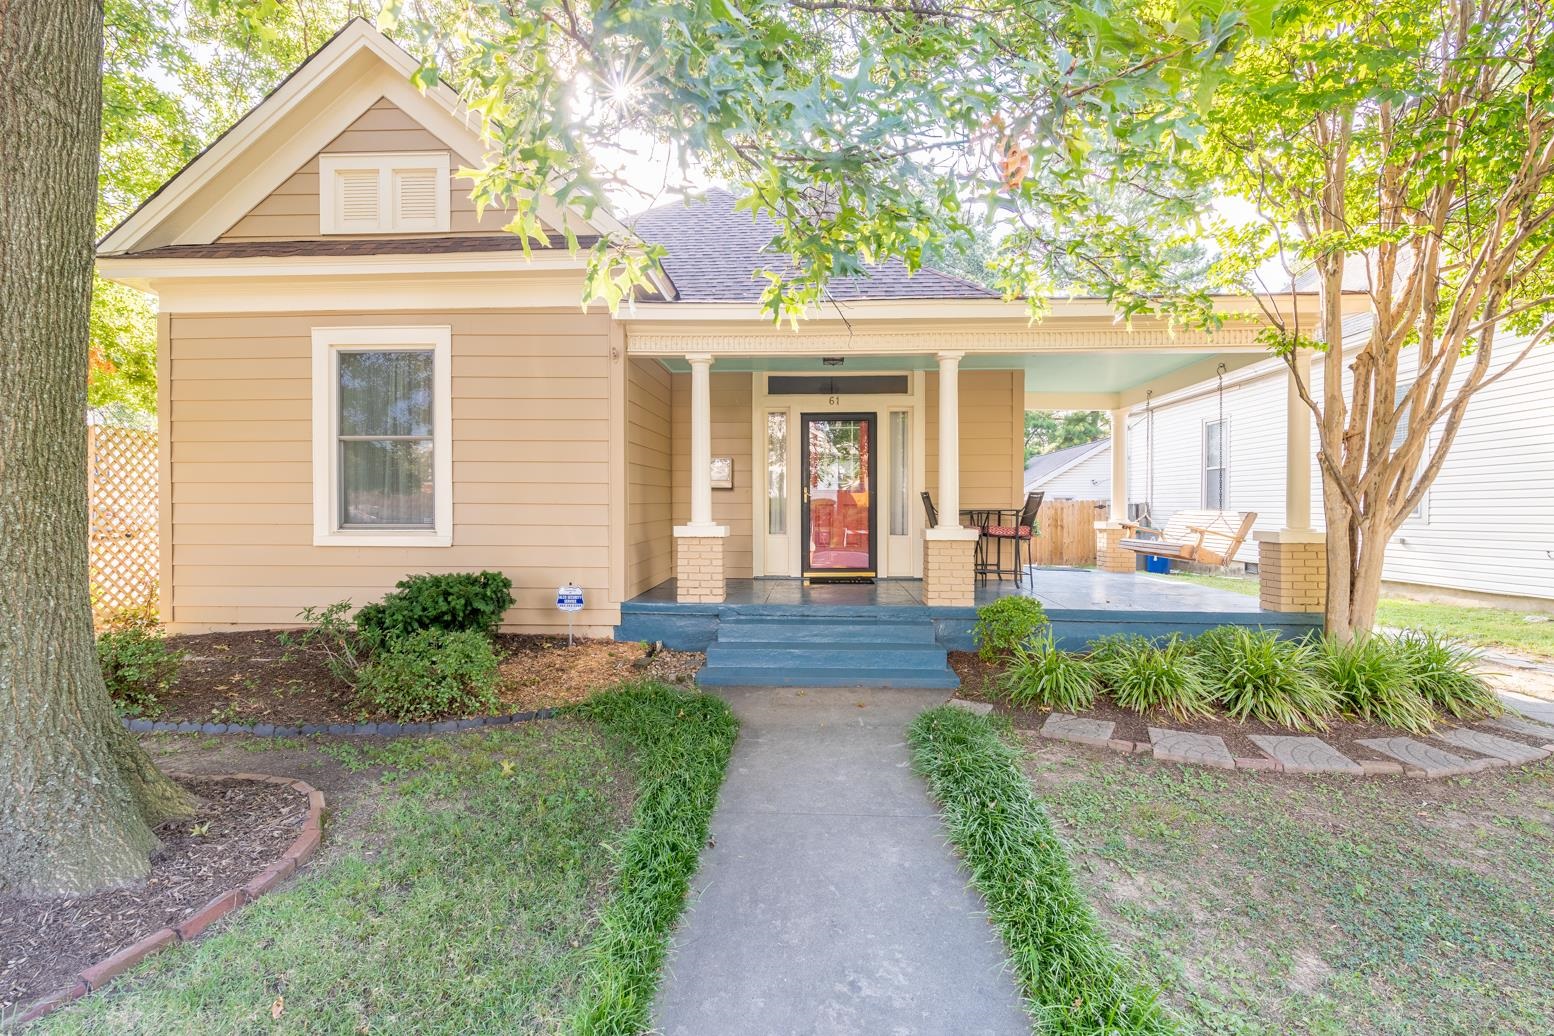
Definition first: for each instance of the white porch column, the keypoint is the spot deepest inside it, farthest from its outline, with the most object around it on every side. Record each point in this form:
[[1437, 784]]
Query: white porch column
[[1292, 561], [1119, 465], [699, 575], [1109, 556], [1297, 447], [949, 439]]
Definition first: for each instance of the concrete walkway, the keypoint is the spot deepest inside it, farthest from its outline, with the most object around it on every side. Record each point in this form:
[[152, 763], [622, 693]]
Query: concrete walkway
[[828, 900]]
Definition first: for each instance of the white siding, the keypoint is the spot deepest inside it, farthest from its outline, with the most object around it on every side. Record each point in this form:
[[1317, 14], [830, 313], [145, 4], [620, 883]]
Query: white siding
[[1488, 522], [1090, 479]]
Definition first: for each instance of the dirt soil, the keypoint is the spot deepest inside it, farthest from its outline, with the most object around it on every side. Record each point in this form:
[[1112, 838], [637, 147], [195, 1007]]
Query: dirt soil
[[249, 677], [239, 828], [979, 680]]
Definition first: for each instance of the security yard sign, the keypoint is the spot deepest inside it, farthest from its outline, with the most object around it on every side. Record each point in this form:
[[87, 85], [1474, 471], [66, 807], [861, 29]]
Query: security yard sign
[[569, 598]]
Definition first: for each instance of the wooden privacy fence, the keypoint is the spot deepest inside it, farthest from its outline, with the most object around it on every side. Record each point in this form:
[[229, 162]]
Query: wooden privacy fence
[[121, 500], [1068, 531]]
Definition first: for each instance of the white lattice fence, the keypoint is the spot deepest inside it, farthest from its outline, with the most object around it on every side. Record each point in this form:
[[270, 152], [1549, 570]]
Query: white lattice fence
[[121, 465]]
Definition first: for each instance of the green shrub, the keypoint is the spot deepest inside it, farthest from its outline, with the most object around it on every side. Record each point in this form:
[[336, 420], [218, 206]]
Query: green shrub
[[1006, 624], [331, 638], [1143, 675], [1445, 672], [430, 673], [137, 665], [1255, 674], [1040, 674], [1372, 680], [452, 602]]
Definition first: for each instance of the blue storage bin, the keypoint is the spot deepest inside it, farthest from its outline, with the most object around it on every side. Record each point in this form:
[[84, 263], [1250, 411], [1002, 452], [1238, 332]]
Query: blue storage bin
[[1157, 564]]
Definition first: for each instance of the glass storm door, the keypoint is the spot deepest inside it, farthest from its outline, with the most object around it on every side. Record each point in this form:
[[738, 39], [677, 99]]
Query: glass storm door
[[838, 496]]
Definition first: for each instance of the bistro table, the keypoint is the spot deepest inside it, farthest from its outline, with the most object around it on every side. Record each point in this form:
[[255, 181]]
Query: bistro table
[[984, 518]]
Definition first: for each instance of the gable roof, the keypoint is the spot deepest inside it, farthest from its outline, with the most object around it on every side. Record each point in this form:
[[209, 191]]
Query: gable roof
[[1047, 466], [352, 71], [717, 252]]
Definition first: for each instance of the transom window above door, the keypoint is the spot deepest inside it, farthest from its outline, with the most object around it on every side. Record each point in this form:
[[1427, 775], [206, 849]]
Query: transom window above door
[[382, 436]]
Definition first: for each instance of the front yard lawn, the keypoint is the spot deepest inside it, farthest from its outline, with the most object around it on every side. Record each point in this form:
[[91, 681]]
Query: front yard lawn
[[1482, 626], [1267, 904], [519, 880]]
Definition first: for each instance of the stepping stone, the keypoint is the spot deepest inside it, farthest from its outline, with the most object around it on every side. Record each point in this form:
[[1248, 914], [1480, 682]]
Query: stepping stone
[[1420, 758], [979, 708], [1488, 744], [1178, 746], [1062, 727], [1305, 754], [1522, 725]]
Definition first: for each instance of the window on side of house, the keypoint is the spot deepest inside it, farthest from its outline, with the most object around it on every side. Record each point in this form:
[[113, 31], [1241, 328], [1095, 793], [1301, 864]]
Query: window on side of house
[[1216, 465], [384, 193], [382, 434]]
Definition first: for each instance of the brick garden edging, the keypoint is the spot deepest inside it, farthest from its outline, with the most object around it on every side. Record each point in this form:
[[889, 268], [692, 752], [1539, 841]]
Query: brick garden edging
[[104, 971], [447, 726], [1308, 754]]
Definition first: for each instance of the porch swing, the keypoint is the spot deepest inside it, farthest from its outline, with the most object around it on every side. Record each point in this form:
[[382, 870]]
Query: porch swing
[[1207, 537]]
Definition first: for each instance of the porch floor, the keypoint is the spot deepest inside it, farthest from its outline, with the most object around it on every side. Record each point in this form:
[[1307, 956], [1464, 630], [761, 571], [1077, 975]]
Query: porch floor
[[1081, 603]]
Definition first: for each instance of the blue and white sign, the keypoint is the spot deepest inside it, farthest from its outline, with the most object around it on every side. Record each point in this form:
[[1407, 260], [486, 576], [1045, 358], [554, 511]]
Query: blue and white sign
[[569, 598]]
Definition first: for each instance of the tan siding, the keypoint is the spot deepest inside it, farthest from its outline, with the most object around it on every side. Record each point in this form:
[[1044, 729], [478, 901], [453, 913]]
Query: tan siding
[[731, 402], [992, 423], [649, 541], [291, 212], [530, 467]]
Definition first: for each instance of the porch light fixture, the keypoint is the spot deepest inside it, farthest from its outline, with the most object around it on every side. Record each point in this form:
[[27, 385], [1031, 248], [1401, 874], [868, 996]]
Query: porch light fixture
[[833, 361]]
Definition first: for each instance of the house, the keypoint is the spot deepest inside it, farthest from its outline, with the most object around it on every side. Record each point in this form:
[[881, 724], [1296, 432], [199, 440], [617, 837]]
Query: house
[[1082, 472], [1484, 531], [362, 376]]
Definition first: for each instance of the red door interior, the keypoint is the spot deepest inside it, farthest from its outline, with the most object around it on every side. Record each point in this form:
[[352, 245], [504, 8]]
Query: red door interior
[[839, 498]]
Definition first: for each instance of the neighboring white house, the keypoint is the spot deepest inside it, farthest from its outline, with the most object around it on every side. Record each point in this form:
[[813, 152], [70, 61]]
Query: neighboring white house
[[1080, 472], [1486, 525]]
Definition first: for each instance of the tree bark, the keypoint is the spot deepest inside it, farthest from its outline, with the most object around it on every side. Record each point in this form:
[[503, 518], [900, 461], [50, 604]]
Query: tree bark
[[78, 796]]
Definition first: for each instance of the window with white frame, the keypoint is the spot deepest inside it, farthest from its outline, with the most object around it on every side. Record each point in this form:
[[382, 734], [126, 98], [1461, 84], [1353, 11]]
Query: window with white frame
[[382, 436], [383, 193], [1216, 465]]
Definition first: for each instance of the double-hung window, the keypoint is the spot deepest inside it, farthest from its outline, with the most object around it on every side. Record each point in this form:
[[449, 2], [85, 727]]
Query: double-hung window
[[382, 434]]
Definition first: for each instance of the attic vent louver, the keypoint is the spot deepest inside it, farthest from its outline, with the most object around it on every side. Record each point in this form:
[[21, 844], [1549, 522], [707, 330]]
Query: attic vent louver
[[384, 194], [359, 198], [415, 192]]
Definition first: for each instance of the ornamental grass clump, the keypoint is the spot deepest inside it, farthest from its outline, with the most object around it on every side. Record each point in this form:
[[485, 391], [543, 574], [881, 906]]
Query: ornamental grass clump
[[1040, 674], [1445, 672], [1373, 681], [1257, 675], [1145, 676]]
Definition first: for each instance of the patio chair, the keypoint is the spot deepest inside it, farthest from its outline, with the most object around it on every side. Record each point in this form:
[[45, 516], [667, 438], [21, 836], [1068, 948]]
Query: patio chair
[[933, 512], [1023, 531], [1205, 537]]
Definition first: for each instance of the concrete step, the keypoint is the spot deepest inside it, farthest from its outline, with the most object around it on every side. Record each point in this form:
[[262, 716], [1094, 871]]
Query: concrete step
[[801, 631], [738, 676], [859, 657]]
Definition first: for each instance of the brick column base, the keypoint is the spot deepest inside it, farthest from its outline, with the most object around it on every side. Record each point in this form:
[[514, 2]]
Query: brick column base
[[1108, 555], [698, 564], [1292, 571], [949, 567]]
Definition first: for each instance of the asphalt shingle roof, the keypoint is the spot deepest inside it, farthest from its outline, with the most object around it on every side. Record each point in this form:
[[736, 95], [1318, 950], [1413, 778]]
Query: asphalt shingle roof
[[716, 252], [1050, 463]]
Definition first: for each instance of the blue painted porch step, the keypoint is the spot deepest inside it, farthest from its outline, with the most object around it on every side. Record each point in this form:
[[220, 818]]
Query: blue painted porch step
[[829, 651]]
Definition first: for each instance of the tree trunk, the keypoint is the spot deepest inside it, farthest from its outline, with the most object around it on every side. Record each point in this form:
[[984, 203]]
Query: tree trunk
[[78, 795]]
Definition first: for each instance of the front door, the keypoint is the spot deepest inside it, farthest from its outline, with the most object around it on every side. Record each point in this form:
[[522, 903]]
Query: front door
[[838, 501]]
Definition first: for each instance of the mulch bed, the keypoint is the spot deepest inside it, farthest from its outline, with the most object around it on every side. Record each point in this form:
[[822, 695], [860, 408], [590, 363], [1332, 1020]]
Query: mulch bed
[[245, 825], [247, 677], [979, 680]]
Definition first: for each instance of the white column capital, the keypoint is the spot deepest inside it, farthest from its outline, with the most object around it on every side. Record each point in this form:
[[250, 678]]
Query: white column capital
[[699, 359], [949, 359]]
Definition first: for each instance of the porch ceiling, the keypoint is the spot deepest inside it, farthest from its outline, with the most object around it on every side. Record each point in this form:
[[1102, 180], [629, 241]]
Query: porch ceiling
[[1112, 374]]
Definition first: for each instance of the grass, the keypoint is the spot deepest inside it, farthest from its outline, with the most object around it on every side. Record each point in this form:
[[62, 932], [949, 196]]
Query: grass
[[1319, 907], [1482, 626], [520, 880], [1074, 981]]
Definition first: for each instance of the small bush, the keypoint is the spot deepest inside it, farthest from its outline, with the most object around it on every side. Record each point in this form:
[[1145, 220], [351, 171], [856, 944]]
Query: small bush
[[1372, 681], [329, 637], [1006, 624], [1254, 674], [1040, 674], [137, 665], [1143, 675], [451, 602], [430, 673], [1445, 673]]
